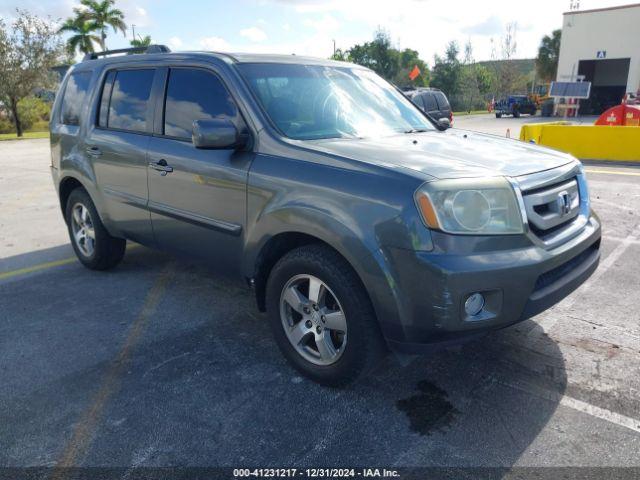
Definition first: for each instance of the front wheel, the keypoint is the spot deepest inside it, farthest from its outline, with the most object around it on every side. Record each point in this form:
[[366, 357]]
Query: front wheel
[[94, 247], [321, 316]]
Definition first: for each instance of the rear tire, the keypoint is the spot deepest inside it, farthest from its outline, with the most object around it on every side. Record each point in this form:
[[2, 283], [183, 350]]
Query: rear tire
[[498, 115], [94, 247], [350, 330]]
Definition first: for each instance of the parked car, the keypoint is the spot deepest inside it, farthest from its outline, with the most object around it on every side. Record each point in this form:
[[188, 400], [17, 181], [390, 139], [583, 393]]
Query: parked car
[[360, 223], [515, 105], [432, 101]]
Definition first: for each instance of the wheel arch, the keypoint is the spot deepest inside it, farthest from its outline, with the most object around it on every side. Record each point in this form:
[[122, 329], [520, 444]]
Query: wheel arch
[[67, 185]]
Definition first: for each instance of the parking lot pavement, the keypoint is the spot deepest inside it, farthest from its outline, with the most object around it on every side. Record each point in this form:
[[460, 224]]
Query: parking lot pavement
[[161, 362], [488, 123]]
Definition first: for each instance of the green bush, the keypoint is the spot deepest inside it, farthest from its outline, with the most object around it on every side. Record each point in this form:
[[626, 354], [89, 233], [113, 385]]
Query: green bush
[[32, 110], [34, 115]]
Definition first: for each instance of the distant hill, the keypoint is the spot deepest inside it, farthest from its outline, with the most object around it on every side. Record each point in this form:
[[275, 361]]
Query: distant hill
[[526, 66]]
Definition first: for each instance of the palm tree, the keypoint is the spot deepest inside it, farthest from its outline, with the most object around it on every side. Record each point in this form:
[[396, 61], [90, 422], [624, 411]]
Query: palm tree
[[141, 42], [83, 36], [104, 15]]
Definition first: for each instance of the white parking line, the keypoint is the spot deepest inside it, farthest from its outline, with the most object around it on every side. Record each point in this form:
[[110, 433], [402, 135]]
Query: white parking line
[[549, 321], [579, 405]]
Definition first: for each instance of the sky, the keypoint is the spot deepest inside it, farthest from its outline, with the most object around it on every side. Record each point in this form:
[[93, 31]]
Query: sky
[[309, 27]]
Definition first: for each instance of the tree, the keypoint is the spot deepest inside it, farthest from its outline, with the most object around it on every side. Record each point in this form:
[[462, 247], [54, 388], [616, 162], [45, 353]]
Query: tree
[[28, 51], [445, 73], [408, 59], [508, 79], [377, 55], [548, 54], [83, 36], [474, 80], [141, 41], [103, 14]]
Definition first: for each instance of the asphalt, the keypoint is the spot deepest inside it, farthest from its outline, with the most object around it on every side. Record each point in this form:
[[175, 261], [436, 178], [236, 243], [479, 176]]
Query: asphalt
[[161, 362]]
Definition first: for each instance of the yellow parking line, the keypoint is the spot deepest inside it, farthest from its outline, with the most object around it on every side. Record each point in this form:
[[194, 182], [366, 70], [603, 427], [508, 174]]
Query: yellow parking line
[[612, 172], [35, 268], [88, 423], [46, 265]]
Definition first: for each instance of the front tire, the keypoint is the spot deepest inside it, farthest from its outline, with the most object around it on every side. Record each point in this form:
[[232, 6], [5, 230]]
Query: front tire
[[321, 316], [94, 247]]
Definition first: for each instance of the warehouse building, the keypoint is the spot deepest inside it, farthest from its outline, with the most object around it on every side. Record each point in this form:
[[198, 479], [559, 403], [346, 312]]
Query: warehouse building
[[602, 46]]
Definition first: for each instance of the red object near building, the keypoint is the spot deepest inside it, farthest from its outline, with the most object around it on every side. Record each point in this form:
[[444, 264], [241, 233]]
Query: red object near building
[[621, 116]]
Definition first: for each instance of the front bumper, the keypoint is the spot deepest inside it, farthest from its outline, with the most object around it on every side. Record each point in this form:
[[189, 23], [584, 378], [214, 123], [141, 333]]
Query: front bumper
[[518, 281]]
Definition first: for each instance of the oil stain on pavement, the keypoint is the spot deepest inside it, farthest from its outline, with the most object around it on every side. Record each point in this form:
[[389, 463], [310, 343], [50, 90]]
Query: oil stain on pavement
[[429, 410]]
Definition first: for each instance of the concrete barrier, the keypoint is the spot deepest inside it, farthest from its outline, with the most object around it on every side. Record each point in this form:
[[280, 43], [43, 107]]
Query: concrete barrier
[[586, 142]]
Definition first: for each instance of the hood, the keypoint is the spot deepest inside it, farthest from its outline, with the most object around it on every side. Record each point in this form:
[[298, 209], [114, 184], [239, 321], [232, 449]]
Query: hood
[[450, 154]]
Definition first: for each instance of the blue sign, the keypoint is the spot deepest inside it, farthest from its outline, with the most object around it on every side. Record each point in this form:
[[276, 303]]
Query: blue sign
[[601, 54]]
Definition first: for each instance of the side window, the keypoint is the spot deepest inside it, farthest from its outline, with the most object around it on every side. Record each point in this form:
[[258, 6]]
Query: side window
[[417, 99], [74, 95], [429, 102], [105, 98], [130, 99], [443, 103], [194, 95]]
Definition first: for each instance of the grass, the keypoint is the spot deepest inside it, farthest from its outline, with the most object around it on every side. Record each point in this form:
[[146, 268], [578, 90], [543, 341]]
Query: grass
[[26, 135], [472, 112]]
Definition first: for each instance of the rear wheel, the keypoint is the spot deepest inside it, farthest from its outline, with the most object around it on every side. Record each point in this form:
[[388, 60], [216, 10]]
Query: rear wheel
[[321, 316], [94, 247], [498, 115]]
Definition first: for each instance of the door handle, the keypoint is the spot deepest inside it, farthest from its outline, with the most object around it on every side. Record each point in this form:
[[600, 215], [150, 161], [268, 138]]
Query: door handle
[[161, 166], [94, 151]]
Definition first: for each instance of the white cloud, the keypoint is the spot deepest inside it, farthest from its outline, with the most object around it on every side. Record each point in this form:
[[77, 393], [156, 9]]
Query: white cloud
[[286, 27], [324, 25], [254, 34], [175, 43], [215, 44]]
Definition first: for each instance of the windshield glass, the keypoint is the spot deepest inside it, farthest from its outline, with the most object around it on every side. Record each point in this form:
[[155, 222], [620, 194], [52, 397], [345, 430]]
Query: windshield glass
[[308, 102]]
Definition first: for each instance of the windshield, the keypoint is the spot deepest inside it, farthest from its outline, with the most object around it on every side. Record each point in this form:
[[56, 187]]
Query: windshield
[[308, 102]]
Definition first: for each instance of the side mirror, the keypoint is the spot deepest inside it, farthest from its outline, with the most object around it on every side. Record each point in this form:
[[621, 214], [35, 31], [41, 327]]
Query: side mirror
[[220, 133], [445, 122]]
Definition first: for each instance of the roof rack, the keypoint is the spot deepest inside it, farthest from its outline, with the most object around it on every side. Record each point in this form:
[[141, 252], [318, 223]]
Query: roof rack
[[128, 51]]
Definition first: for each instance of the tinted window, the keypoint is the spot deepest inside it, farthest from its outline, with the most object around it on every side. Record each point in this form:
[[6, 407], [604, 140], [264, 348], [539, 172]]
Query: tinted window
[[443, 103], [105, 98], [429, 102], [194, 95], [74, 96], [129, 100], [417, 99]]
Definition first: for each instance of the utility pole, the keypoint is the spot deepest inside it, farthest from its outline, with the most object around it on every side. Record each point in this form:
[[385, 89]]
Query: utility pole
[[133, 30], [334, 47]]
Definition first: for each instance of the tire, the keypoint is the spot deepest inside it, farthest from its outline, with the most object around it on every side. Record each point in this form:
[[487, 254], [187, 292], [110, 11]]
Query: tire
[[516, 114], [103, 252], [357, 350], [498, 115]]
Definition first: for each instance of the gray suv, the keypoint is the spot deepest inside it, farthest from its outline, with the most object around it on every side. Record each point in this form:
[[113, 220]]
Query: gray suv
[[361, 224]]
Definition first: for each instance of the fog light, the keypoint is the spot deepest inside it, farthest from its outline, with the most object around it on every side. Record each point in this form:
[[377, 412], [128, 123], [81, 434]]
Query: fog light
[[474, 304]]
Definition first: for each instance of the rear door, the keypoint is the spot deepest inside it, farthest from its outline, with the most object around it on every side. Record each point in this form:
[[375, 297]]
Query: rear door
[[199, 206], [118, 144]]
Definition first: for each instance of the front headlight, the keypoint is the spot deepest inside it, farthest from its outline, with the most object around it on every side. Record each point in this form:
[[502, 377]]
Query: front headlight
[[471, 206]]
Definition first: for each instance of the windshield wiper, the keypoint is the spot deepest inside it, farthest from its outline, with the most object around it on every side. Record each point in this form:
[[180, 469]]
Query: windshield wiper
[[416, 130]]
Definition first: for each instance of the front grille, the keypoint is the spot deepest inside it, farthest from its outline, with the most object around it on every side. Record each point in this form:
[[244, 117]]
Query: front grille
[[560, 271], [553, 208]]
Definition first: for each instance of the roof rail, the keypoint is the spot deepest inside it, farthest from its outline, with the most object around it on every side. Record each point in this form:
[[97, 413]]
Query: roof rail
[[128, 51]]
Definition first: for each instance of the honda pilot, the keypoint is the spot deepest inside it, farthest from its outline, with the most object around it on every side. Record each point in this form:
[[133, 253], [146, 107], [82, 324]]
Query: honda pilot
[[361, 223]]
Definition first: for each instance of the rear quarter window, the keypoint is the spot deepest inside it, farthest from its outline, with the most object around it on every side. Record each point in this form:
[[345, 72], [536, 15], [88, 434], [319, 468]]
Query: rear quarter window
[[74, 96], [429, 102], [443, 103]]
